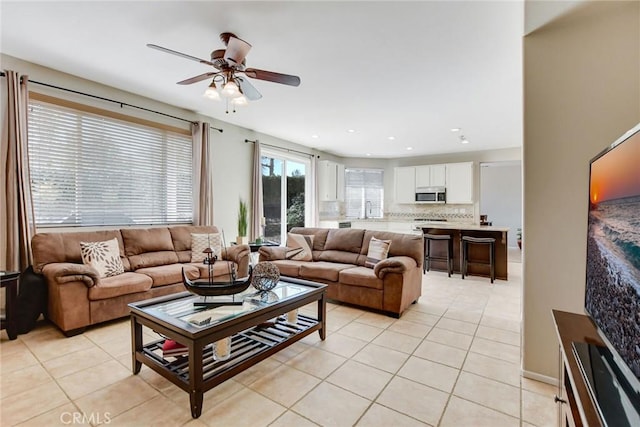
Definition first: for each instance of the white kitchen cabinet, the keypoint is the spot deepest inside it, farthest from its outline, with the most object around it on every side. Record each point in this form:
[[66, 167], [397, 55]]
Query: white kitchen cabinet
[[405, 184], [330, 181], [369, 225], [460, 183], [431, 176]]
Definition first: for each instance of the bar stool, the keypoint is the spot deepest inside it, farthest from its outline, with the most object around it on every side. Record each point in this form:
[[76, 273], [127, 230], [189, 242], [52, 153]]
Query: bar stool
[[464, 259], [428, 238]]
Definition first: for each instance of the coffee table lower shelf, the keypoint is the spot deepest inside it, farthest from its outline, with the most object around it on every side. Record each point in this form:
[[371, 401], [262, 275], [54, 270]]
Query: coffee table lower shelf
[[247, 348]]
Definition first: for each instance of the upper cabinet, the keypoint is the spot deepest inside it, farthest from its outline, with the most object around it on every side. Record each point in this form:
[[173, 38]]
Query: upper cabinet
[[460, 183], [431, 176], [405, 184], [330, 181]]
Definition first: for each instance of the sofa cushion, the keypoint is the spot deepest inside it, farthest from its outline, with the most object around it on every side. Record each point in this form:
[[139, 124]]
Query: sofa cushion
[[319, 235], [122, 284], [65, 247], [181, 236], [169, 274], [148, 247], [200, 242], [337, 256], [299, 247], [289, 267], [378, 250], [322, 270], [103, 256], [360, 276], [344, 239]]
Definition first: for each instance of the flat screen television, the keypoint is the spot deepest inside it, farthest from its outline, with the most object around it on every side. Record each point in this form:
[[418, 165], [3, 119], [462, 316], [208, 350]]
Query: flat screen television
[[612, 293]]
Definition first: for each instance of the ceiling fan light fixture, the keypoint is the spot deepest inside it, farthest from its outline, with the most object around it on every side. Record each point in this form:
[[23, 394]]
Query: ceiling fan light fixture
[[212, 92], [231, 90], [463, 139]]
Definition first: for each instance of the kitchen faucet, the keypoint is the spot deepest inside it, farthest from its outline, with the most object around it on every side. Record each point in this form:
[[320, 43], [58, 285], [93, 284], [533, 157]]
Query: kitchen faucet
[[367, 209]]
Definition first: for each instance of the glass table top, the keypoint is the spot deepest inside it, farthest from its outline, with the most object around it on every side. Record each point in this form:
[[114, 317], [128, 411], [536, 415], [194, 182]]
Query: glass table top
[[200, 312]]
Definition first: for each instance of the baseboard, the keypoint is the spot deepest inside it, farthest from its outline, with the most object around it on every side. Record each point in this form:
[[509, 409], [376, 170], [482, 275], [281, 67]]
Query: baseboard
[[540, 377]]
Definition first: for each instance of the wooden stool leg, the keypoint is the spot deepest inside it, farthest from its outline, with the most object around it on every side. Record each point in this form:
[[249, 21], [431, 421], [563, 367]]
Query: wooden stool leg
[[463, 258], [492, 266]]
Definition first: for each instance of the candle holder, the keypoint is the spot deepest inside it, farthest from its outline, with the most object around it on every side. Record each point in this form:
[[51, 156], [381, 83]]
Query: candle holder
[[222, 349], [292, 317]]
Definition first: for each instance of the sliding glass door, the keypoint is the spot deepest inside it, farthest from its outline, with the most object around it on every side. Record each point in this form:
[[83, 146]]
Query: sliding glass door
[[285, 193]]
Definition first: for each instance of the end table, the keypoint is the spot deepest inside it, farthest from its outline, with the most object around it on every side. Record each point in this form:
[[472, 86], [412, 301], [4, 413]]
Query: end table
[[9, 281]]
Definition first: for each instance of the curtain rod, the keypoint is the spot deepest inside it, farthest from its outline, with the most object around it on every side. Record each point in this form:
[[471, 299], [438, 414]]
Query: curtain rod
[[122, 104], [289, 150]]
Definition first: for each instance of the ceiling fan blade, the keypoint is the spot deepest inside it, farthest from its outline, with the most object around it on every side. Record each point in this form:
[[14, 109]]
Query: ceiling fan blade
[[248, 89], [236, 51], [175, 52], [197, 78], [285, 79]]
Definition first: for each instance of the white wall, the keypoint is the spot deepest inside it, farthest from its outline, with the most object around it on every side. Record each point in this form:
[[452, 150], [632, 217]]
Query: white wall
[[232, 157], [501, 195], [581, 92]]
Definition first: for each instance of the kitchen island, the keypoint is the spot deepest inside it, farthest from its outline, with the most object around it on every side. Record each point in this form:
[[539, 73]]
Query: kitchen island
[[476, 252]]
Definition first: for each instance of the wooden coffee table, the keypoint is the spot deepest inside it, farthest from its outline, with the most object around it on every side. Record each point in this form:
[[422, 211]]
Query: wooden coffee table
[[257, 328]]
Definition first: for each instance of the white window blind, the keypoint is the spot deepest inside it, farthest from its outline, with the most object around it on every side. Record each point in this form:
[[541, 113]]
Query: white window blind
[[92, 170], [364, 191]]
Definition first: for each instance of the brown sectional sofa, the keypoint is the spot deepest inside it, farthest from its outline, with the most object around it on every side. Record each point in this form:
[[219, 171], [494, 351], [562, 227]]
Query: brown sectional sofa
[[153, 259], [339, 261]]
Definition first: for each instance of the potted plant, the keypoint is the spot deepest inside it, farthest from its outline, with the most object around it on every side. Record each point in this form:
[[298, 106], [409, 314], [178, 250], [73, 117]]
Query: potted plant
[[242, 238], [519, 237]]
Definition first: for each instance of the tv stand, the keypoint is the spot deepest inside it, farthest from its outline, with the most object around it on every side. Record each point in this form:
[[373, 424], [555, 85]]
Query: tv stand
[[576, 408]]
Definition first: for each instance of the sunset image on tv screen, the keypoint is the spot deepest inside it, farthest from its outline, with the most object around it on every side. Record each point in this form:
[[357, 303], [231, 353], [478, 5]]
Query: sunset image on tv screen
[[613, 248]]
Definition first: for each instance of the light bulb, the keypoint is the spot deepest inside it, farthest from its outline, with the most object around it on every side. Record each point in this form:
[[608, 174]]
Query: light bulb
[[230, 90], [212, 92]]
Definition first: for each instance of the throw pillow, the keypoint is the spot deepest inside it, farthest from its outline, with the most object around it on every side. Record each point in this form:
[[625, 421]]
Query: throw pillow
[[378, 250], [103, 256], [199, 242], [299, 247]]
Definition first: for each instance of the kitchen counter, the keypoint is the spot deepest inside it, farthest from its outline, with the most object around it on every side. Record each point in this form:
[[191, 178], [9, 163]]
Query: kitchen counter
[[458, 226], [476, 252]]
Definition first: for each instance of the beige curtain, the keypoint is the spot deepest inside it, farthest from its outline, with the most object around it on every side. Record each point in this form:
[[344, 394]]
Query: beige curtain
[[257, 216], [202, 174], [17, 224]]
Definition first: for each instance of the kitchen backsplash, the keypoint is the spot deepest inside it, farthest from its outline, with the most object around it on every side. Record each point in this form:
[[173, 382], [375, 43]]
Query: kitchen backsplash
[[400, 212]]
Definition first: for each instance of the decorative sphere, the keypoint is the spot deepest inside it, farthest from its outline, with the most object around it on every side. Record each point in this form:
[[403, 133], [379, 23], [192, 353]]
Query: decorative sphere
[[265, 276]]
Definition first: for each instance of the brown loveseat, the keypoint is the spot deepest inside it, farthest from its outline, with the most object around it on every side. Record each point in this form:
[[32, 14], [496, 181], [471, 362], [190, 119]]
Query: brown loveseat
[[339, 257], [153, 259]]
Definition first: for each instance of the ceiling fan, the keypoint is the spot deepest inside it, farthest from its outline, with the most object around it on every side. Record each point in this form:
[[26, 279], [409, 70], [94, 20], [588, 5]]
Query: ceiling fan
[[230, 75]]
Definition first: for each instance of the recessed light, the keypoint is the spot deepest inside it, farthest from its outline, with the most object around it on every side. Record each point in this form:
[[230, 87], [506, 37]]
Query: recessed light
[[391, 138], [409, 148], [351, 130], [314, 136], [455, 129], [368, 154]]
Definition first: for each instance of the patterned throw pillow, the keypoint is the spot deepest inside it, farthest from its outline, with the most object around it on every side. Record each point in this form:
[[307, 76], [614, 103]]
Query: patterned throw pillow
[[378, 250], [199, 242], [299, 247], [103, 256]]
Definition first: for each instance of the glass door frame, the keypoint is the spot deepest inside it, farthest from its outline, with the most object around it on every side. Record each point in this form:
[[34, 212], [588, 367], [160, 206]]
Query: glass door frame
[[308, 185]]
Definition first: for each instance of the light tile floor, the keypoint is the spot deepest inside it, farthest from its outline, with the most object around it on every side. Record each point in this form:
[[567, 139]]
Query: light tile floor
[[452, 360]]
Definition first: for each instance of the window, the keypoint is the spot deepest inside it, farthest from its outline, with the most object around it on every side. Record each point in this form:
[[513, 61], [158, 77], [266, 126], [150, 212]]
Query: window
[[91, 170], [364, 193]]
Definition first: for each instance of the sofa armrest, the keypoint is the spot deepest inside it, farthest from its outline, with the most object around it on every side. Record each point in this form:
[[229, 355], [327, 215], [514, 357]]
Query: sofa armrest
[[272, 253], [396, 264], [239, 254], [65, 272]]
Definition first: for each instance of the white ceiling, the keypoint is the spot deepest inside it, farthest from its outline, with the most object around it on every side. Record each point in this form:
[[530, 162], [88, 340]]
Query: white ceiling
[[411, 70]]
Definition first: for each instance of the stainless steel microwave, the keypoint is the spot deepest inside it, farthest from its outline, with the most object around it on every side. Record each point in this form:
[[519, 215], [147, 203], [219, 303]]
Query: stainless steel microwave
[[431, 195]]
